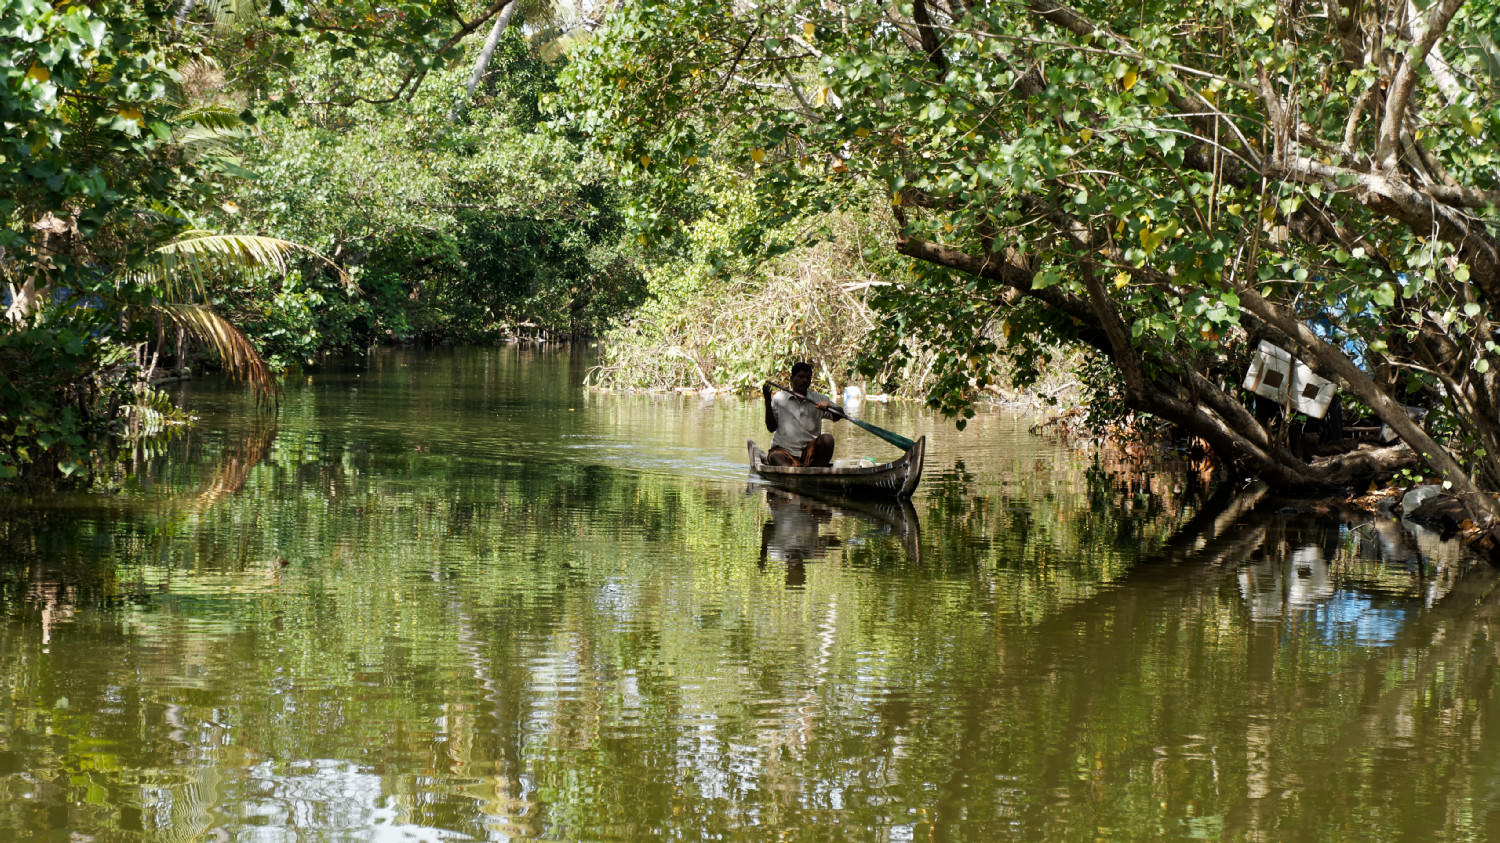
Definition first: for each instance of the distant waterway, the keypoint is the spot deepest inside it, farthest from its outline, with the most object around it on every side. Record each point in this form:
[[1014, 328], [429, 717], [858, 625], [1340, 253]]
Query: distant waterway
[[453, 595]]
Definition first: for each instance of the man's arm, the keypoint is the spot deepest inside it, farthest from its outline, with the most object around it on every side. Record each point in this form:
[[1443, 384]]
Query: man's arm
[[826, 407], [765, 390]]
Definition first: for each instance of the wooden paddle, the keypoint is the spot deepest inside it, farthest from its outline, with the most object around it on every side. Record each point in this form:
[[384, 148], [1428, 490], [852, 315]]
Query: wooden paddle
[[894, 438]]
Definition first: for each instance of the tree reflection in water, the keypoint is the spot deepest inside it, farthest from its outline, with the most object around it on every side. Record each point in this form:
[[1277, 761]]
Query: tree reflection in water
[[555, 642]]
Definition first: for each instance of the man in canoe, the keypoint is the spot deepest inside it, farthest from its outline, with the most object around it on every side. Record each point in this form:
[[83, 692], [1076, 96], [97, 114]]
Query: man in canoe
[[796, 421]]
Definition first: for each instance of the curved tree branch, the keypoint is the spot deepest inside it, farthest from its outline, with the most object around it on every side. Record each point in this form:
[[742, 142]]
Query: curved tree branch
[[1434, 24]]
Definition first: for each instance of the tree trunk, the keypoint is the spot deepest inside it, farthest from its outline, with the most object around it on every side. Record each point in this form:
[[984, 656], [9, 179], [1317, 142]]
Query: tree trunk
[[485, 54], [184, 10], [1330, 363]]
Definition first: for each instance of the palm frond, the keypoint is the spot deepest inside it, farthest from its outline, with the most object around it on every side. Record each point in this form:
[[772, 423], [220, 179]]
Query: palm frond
[[239, 357], [210, 124], [193, 256]]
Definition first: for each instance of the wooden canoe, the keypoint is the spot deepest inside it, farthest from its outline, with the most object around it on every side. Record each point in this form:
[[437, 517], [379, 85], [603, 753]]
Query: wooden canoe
[[891, 479]]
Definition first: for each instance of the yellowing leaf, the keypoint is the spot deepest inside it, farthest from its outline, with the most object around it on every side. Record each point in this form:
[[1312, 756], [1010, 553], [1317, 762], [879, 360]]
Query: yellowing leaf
[[641, 239], [692, 161], [809, 31], [1128, 80], [645, 160], [822, 95], [1264, 21], [1122, 279], [861, 132], [1085, 135], [1474, 127], [896, 199], [1006, 329], [757, 155], [38, 73], [130, 113]]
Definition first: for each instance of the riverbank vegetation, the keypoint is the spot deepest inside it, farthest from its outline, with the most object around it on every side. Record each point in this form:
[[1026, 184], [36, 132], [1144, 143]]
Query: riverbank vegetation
[[1164, 187], [941, 198], [722, 315], [277, 183]]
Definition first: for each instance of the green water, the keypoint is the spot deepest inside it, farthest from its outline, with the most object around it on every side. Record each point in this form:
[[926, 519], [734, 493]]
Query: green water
[[454, 596]]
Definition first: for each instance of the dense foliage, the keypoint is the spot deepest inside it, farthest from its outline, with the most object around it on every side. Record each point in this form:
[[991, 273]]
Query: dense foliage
[[954, 188], [1165, 184], [101, 161], [471, 229], [372, 208]]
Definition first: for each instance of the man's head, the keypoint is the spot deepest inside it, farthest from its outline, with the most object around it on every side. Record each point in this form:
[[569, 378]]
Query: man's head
[[801, 377]]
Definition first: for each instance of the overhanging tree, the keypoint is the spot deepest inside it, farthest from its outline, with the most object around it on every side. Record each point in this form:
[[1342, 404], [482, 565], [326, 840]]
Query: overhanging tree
[[1165, 183], [101, 170]]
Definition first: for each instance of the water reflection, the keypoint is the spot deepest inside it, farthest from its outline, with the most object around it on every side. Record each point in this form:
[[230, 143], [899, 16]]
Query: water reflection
[[794, 534], [1359, 583], [452, 596]]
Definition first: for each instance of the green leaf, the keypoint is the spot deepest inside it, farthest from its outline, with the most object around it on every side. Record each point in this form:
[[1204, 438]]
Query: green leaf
[[1384, 295]]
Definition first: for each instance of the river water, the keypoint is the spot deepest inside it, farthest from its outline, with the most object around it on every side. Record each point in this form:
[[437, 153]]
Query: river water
[[453, 595]]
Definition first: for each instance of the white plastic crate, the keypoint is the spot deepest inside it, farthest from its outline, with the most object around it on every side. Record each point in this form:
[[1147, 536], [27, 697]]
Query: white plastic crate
[[1277, 375]]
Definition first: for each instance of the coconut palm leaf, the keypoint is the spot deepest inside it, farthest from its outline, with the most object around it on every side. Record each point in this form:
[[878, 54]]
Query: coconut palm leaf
[[179, 269], [209, 125], [234, 350]]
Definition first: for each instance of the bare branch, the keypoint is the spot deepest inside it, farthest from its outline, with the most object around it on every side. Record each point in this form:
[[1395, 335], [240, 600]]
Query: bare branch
[[1434, 25], [928, 34]]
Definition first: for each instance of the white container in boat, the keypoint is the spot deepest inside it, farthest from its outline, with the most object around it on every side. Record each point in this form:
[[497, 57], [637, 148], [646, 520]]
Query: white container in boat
[[1277, 375]]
